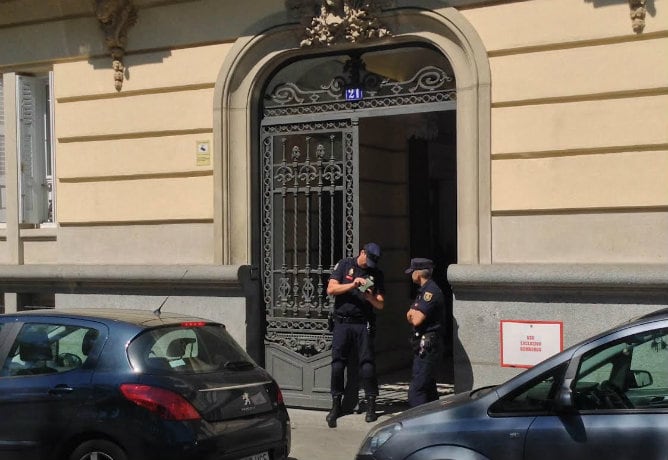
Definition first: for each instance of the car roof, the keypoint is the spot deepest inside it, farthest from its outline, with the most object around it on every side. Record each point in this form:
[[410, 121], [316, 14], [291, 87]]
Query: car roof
[[658, 314], [646, 318], [137, 317]]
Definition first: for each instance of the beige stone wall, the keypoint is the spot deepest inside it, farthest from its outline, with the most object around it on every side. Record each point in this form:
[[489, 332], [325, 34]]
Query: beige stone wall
[[129, 186], [579, 138], [134, 157], [131, 159]]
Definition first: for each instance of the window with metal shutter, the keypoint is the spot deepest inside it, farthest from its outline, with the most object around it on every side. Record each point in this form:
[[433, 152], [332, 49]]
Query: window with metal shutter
[[33, 137]]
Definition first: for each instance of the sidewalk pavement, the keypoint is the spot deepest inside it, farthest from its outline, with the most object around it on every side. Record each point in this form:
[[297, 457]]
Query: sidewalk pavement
[[312, 439]]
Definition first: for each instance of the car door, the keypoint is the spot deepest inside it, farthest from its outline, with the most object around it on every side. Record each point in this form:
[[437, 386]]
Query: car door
[[619, 403], [45, 377], [514, 413]]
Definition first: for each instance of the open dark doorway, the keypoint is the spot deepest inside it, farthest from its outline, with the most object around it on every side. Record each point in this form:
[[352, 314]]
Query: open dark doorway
[[408, 204], [432, 171]]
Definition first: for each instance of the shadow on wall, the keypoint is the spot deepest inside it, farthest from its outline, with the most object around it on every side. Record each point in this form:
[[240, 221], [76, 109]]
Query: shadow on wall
[[649, 4], [462, 364]]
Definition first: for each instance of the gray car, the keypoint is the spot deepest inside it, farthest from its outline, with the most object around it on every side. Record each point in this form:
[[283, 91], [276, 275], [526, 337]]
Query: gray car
[[604, 398]]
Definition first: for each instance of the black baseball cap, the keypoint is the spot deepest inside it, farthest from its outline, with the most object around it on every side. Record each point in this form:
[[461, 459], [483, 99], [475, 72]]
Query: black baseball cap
[[419, 263], [372, 254]]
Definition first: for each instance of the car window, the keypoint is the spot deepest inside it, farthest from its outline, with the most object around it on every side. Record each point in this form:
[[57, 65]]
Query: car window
[[631, 373], [535, 396], [187, 349], [48, 349], [648, 383]]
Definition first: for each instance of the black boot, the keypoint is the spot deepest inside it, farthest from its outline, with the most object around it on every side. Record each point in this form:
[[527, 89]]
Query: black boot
[[371, 409], [335, 412]]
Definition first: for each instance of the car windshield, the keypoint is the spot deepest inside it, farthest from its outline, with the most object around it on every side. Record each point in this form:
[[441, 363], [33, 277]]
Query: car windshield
[[187, 348]]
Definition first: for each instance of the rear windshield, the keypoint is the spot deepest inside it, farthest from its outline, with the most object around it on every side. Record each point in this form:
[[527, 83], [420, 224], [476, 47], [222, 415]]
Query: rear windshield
[[187, 349]]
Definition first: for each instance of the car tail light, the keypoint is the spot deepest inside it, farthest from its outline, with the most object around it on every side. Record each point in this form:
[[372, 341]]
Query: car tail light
[[164, 403], [279, 396]]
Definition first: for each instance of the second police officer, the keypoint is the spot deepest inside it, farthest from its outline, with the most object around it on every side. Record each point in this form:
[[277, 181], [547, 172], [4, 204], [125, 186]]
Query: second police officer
[[425, 316], [358, 288]]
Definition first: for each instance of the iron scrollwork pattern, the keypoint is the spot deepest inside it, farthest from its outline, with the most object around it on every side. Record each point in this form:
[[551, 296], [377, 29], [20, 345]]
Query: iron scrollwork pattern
[[307, 226], [430, 84]]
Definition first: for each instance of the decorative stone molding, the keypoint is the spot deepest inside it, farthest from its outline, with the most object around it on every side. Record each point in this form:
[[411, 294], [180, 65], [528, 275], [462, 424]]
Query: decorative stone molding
[[335, 21], [116, 17], [638, 12]]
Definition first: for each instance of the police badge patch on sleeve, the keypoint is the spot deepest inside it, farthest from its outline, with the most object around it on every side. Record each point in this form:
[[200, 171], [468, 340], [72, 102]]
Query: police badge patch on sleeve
[[428, 296]]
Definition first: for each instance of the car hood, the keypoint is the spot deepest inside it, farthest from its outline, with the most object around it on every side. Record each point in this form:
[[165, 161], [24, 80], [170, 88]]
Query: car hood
[[445, 407]]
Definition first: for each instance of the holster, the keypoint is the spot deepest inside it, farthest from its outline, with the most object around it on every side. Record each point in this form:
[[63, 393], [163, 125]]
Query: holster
[[371, 328], [424, 343], [429, 341], [330, 322], [415, 342]]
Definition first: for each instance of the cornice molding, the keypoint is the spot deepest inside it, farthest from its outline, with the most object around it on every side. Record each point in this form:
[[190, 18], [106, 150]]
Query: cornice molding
[[116, 17]]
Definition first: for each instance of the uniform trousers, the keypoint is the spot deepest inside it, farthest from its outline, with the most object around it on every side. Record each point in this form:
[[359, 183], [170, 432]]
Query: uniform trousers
[[349, 338], [423, 382]]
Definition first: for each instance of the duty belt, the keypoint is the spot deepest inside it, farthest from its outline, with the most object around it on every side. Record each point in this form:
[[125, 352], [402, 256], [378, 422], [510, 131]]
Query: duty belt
[[349, 319]]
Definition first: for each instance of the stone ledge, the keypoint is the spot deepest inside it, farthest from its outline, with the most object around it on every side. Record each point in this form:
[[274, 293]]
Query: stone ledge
[[568, 277], [121, 278]]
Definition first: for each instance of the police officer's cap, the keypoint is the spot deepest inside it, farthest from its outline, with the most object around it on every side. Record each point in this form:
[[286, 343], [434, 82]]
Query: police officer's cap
[[372, 254], [419, 263]]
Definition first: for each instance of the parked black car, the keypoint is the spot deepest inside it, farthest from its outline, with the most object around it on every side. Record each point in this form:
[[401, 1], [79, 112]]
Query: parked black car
[[605, 398], [109, 384]]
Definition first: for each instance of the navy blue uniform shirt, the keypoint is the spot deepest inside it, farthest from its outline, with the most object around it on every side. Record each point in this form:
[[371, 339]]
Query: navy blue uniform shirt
[[352, 303], [431, 302]]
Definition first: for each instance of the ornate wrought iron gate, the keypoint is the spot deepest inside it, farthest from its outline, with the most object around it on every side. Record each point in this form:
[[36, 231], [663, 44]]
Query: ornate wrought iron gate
[[309, 215]]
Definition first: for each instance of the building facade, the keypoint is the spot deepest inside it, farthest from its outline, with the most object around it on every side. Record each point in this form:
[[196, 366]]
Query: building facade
[[219, 158]]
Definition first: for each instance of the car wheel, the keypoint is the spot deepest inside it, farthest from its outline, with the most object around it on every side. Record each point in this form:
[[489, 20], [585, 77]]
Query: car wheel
[[98, 449]]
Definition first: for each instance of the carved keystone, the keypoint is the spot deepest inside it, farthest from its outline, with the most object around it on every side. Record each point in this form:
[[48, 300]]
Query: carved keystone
[[334, 21]]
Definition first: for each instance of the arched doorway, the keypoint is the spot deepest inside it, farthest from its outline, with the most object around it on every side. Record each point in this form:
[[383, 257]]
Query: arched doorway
[[353, 149], [242, 85]]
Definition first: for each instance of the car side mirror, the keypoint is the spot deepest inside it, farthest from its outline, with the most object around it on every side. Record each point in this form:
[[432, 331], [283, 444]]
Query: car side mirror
[[640, 379]]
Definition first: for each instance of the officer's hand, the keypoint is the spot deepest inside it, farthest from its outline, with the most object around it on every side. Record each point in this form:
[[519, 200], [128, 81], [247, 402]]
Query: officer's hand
[[359, 282]]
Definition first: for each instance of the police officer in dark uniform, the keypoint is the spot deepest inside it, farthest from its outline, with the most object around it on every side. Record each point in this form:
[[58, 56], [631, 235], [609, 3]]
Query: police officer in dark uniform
[[359, 288], [425, 316]]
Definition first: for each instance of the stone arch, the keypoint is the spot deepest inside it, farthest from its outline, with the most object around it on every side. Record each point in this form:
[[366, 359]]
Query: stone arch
[[236, 101]]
